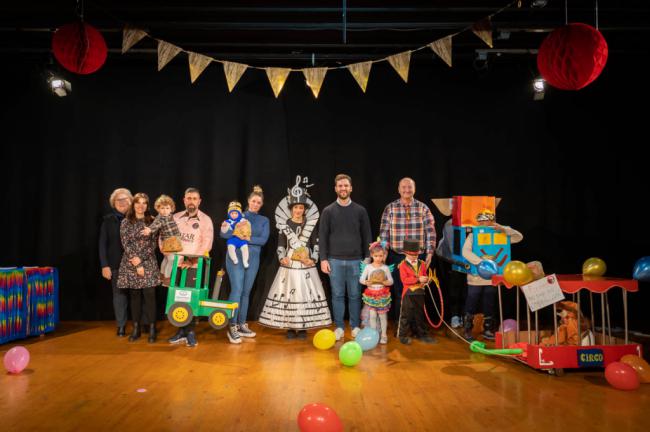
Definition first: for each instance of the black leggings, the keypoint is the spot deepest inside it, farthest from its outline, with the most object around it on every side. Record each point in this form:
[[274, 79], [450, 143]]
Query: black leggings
[[149, 307]]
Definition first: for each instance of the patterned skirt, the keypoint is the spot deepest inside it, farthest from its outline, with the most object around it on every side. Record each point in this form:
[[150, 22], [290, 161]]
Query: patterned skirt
[[377, 298], [296, 301]]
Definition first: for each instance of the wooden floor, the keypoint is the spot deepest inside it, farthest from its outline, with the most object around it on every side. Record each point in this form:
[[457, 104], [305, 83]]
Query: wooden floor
[[83, 377]]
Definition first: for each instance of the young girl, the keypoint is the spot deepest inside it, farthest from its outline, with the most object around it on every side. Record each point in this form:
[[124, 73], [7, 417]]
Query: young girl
[[376, 276]]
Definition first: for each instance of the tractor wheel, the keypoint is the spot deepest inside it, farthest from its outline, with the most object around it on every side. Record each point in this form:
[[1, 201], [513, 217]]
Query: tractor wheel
[[180, 314], [218, 319]]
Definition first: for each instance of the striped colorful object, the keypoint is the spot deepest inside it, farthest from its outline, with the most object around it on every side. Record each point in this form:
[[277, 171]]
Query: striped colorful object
[[28, 301]]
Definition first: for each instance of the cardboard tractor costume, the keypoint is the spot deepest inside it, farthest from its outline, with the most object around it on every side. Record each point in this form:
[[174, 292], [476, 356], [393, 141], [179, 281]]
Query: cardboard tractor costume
[[185, 302], [489, 244]]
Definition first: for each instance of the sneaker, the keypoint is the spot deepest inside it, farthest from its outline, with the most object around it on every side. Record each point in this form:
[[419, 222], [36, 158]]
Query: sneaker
[[383, 340], [244, 331], [355, 331], [233, 334], [302, 334], [291, 334], [339, 333], [428, 340], [456, 322], [190, 340], [405, 340], [487, 334], [178, 338]]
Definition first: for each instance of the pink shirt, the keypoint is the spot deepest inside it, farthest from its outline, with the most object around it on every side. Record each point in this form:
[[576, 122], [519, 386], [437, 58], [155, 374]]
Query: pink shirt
[[197, 232]]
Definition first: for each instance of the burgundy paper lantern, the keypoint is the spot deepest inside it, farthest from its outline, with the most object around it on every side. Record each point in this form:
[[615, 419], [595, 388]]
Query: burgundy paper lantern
[[79, 48], [572, 56]]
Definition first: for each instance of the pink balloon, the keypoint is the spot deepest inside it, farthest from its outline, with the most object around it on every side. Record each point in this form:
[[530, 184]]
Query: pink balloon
[[16, 359], [509, 325], [318, 417], [621, 376]]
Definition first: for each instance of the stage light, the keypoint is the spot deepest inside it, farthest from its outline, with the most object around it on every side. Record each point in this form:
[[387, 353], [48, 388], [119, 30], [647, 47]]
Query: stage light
[[539, 87]]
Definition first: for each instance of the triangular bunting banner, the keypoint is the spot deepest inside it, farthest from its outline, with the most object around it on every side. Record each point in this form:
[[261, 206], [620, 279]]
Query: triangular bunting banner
[[483, 29], [361, 72], [198, 63], [314, 78], [130, 37], [277, 78], [442, 48], [166, 52], [400, 62], [233, 72]]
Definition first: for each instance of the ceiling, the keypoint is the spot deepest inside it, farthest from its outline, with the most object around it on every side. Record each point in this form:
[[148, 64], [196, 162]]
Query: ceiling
[[320, 33]]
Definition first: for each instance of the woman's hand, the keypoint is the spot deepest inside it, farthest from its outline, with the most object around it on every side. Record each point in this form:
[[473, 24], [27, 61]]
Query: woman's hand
[[145, 231], [285, 261], [106, 273], [135, 261], [140, 271], [308, 262]]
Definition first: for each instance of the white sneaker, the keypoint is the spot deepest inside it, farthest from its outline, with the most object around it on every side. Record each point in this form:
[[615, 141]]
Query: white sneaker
[[355, 331], [244, 331], [383, 340], [339, 333]]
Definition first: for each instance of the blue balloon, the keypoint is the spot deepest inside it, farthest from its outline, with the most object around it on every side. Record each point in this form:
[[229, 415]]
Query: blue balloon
[[642, 269], [487, 269], [368, 338]]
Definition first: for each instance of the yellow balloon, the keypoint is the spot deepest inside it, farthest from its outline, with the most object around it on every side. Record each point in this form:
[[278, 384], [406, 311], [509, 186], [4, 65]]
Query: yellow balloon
[[594, 267], [517, 273], [324, 339]]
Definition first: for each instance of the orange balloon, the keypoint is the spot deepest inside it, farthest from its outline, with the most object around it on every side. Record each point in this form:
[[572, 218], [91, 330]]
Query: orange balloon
[[639, 365]]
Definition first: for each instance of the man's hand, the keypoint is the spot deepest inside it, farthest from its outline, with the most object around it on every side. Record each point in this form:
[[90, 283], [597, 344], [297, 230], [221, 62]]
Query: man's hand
[[106, 273], [140, 271], [325, 266], [135, 261]]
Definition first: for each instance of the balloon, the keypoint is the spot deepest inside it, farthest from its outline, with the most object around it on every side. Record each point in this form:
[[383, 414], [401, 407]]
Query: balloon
[[621, 376], [594, 267], [324, 339], [487, 269], [318, 417], [367, 338], [517, 273], [16, 359], [508, 325], [642, 269], [639, 365], [350, 353]]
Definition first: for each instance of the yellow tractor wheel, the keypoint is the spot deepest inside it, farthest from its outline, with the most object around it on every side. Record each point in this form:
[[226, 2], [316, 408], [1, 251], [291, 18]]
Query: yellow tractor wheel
[[180, 314], [218, 319]]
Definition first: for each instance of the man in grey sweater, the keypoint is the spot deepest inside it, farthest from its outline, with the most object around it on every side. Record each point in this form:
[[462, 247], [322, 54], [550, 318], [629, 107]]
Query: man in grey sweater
[[344, 237]]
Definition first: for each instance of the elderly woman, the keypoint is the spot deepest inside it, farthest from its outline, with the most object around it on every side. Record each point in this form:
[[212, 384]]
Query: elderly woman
[[110, 251], [139, 273]]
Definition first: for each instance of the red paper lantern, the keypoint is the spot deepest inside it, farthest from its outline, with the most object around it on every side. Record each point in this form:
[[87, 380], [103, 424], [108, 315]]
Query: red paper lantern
[[571, 57], [79, 48]]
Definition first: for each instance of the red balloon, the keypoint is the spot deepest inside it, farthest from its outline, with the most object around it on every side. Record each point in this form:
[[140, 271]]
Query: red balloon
[[572, 56], [79, 48], [621, 376], [318, 417]]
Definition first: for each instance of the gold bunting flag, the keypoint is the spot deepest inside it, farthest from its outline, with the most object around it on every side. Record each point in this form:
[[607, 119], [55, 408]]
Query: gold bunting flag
[[277, 78], [233, 72], [400, 62], [483, 29], [442, 48], [361, 72], [314, 78], [166, 52], [198, 63], [130, 37]]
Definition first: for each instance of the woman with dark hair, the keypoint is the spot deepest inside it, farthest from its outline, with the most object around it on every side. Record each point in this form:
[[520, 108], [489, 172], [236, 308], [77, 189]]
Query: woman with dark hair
[[139, 273], [242, 278]]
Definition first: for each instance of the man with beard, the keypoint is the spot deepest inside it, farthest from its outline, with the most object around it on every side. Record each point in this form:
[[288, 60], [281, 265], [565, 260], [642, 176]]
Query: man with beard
[[197, 234], [344, 236]]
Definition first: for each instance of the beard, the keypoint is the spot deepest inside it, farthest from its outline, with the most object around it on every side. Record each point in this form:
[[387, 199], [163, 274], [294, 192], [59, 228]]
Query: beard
[[191, 208], [343, 194]]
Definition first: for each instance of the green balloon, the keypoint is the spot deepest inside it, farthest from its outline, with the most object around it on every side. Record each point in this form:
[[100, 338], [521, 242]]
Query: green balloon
[[350, 353]]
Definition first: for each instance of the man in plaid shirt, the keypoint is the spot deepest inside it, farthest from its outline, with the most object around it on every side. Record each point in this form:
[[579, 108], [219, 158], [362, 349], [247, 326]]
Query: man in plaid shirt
[[406, 218]]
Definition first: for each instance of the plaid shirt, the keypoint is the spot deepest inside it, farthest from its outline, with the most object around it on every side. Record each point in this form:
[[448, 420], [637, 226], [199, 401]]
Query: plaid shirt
[[166, 225], [400, 221]]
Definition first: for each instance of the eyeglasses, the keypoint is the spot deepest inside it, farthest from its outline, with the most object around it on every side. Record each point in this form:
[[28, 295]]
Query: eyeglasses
[[122, 199]]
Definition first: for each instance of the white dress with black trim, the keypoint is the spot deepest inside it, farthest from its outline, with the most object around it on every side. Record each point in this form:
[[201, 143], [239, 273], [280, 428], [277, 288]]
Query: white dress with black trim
[[296, 299]]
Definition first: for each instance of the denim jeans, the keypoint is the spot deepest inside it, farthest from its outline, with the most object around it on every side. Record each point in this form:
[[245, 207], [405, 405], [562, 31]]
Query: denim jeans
[[241, 281], [345, 274]]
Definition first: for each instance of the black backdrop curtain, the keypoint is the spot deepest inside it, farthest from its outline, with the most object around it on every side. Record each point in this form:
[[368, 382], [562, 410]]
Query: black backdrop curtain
[[572, 170]]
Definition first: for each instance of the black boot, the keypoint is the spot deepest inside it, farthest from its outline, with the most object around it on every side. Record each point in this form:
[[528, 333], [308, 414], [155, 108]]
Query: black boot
[[121, 331], [468, 325], [153, 334], [135, 335]]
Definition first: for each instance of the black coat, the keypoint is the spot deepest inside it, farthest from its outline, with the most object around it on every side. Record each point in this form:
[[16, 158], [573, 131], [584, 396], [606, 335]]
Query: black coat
[[110, 245]]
